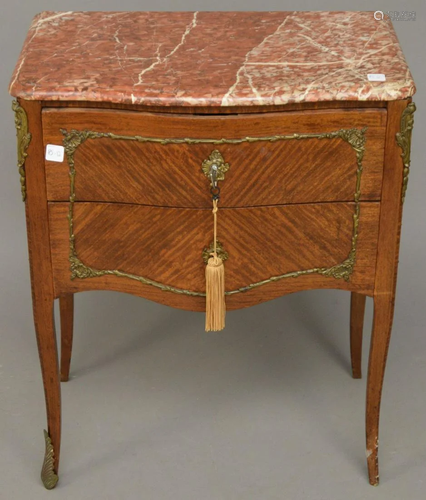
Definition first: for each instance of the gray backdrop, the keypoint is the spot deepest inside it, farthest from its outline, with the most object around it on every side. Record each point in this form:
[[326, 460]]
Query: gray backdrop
[[158, 409]]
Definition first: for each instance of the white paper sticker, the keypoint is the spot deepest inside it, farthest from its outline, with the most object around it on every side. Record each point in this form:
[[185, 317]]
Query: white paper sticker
[[376, 77], [55, 153]]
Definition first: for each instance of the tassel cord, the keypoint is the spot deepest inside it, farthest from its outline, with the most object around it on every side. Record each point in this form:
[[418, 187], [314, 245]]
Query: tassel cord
[[215, 209]]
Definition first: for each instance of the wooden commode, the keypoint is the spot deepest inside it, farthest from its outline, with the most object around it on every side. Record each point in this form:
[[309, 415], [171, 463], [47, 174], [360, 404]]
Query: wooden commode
[[129, 124]]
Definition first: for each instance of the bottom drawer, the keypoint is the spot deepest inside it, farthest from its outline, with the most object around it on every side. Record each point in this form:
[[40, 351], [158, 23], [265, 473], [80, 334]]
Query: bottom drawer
[[158, 252]]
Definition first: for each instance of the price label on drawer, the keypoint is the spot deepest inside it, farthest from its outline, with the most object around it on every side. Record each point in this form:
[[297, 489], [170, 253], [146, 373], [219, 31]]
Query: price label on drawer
[[55, 153]]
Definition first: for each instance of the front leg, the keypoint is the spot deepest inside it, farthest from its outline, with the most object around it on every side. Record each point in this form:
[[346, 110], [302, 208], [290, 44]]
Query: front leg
[[356, 327], [380, 337], [66, 309], [29, 118], [46, 340], [395, 174]]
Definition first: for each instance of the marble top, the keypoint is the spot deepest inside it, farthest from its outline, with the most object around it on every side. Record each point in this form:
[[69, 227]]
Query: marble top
[[210, 58]]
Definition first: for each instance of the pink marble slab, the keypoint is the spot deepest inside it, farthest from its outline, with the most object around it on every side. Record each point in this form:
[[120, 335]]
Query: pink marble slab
[[210, 58]]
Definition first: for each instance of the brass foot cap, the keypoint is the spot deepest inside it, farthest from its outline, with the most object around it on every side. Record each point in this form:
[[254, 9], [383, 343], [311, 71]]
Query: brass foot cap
[[48, 475]]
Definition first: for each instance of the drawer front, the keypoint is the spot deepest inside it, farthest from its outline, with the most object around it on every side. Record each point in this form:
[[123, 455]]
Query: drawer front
[[154, 159], [157, 252]]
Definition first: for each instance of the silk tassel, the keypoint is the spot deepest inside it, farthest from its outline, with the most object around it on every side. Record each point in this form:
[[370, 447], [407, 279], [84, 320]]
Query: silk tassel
[[215, 286]]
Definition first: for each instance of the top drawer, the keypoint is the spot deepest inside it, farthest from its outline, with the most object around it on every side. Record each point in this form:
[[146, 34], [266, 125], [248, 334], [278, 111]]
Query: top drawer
[[274, 158]]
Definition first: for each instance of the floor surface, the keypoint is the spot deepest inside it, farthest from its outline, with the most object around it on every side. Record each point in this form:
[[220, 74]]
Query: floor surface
[[158, 409]]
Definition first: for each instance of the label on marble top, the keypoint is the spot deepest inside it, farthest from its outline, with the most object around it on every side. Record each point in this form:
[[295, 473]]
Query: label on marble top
[[211, 58], [376, 77]]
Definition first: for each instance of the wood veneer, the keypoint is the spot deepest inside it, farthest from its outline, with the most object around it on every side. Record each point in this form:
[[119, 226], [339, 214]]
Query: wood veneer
[[261, 173], [147, 241]]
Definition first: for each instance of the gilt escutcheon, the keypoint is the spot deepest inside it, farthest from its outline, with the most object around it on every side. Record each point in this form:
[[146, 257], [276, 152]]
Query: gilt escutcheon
[[214, 167]]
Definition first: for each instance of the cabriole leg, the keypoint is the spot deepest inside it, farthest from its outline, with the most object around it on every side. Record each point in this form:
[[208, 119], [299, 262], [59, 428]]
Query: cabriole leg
[[382, 325], [356, 327], [66, 309], [46, 340], [33, 182]]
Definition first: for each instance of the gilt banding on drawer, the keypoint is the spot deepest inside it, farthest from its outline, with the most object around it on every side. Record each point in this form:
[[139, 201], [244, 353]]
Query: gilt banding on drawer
[[318, 223]]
